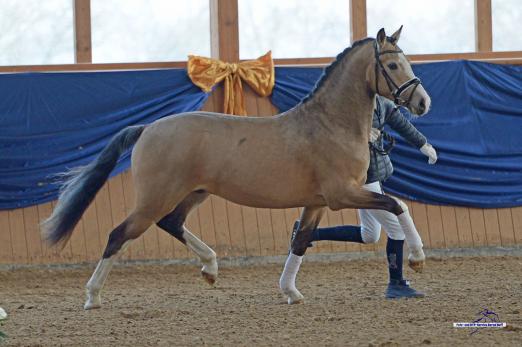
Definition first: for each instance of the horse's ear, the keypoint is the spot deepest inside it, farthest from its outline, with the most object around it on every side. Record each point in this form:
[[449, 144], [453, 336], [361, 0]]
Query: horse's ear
[[396, 35], [381, 37]]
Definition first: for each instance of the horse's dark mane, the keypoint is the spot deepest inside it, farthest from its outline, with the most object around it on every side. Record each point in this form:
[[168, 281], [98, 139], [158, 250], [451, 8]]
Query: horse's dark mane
[[328, 70]]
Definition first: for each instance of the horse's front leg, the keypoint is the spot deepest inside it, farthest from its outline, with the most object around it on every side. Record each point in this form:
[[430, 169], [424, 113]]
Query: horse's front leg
[[309, 220], [355, 197]]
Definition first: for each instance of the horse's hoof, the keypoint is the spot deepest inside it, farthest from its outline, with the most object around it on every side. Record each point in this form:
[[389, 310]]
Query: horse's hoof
[[209, 278], [417, 266], [416, 260], [295, 298], [93, 301], [209, 271], [92, 304]]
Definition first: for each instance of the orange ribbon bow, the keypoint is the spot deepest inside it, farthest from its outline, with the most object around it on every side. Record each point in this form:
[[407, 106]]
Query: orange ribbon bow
[[259, 74]]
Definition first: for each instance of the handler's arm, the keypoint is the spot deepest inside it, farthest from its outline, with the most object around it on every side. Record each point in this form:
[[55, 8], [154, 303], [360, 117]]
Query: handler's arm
[[400, 124]]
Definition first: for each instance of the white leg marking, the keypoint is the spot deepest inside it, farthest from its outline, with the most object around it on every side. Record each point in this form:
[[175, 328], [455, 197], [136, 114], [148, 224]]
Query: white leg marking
[[287, 280], [416, 258], [98, 278], [411, 234], [207, 256]]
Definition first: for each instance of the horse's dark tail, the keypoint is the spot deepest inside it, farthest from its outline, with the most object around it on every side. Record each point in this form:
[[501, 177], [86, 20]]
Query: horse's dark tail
[[82, 184]]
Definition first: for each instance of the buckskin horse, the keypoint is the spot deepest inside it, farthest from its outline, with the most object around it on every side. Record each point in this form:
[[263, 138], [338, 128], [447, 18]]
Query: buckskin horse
[[313, 156]]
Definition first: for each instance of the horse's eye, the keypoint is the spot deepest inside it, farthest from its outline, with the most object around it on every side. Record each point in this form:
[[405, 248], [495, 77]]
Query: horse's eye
[[392, 66]]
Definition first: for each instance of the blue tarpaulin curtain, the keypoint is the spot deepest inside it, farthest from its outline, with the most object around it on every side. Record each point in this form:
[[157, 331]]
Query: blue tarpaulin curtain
[[51, 122], [475, 123]]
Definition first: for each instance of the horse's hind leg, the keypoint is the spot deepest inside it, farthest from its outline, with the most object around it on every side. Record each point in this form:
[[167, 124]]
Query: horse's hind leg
[[173, 224], [119, 239], [310, 218]]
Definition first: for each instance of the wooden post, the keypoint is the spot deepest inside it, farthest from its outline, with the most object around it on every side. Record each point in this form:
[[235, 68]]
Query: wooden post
[[358, 20], [483, 26], [82, 31], [224, 38], [224, 29]]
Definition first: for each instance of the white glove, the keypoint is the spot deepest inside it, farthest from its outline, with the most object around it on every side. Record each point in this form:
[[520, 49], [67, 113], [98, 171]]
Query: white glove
[[430, 152], [374, 134]]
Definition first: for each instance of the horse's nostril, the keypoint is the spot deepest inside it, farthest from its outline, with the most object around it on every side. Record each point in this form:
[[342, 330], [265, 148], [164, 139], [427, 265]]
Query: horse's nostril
[[422, 105]]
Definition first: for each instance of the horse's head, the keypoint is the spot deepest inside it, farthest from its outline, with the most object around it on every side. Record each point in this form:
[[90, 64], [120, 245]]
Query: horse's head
[[393, 78]]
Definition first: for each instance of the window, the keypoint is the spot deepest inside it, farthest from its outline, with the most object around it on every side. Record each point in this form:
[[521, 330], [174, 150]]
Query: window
[[507, 16], [430, 26], [293, 28], [34, 32], [141, 30]]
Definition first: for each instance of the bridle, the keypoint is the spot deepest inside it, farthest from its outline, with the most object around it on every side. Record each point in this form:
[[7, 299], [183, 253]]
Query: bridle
[[395, 89]]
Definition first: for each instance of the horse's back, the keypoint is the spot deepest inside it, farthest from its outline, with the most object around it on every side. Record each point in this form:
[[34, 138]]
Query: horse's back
[[231, 156]]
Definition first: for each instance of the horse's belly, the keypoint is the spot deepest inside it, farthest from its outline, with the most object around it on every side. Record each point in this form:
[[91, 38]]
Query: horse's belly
[[266, 196], [264, 201]]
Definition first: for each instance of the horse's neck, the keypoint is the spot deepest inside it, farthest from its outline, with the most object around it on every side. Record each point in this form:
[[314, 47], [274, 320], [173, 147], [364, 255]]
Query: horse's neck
[[344, 100]]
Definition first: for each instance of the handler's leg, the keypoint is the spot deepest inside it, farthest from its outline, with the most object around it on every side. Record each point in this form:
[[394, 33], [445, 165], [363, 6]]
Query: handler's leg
[[397, 287], [309, 220], [398, 228], [416, 257]]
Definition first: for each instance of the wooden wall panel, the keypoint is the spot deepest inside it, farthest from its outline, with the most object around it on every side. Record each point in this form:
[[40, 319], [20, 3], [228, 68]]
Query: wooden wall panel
[[44, 211], [506, 228], [435, 227], [449, 224], [281, 232], [18, 240], [420, 216], [219, 213], [6, 245], [516, 215], [464, 227], [32, 233], [492, 228], [478, 227], [77, 244], [234, 230]]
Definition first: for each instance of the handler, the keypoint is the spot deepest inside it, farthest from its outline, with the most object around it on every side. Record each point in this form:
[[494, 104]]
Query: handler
[[381, 169]]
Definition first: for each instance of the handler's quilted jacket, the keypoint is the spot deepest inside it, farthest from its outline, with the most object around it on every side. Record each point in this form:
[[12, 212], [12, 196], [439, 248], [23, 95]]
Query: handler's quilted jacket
[[385, 113]]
